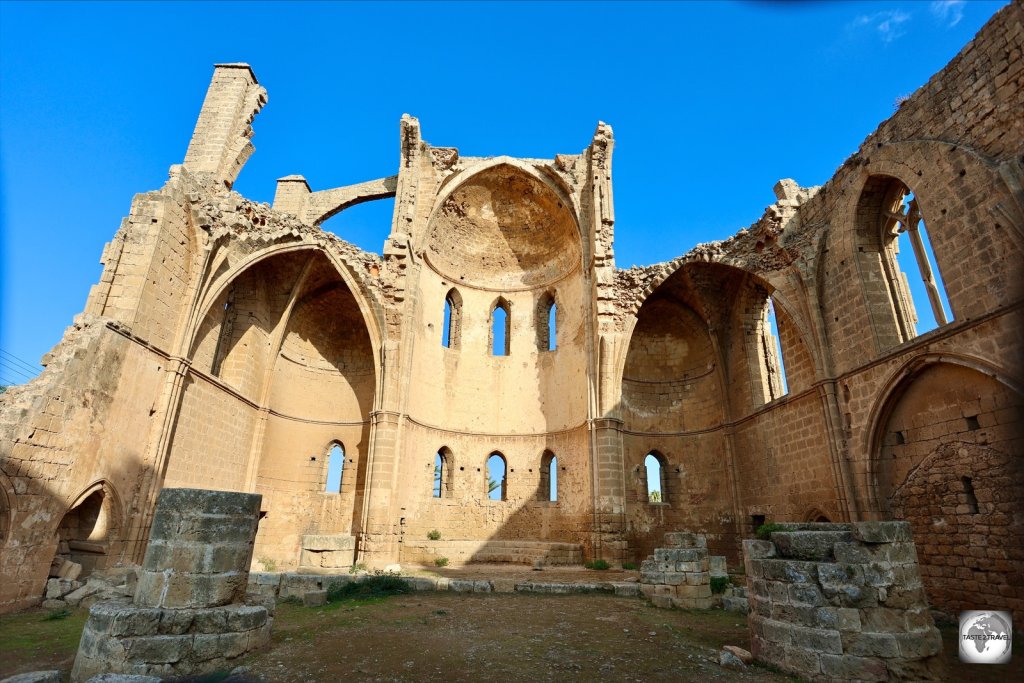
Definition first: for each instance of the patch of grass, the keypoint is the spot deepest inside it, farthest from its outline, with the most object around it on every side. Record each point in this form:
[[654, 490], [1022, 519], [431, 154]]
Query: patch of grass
[[441, 562], [765, 530], [719, 583], [434, 535], [631, 566], [377, 586], [597, 564], [357, 567], [268, 564]]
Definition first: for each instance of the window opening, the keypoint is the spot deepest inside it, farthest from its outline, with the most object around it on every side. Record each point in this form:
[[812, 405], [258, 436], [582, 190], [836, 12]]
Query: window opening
[[501, 328], [548, 489], [442, 473], [972, 499], [227, 329], [756, 522], [772, 350], [335, 468], [547, 322], [497, 481], [907, 227], [656, 489], [452, 328]]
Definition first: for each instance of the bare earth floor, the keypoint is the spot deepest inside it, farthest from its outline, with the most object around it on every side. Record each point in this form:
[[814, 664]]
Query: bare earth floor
[[473, 637]]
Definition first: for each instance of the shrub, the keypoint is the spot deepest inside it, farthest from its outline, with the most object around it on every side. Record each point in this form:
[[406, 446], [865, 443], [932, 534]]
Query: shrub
[[719, 583], [441, 562], [629, 565], [357, 567], [57, 615], [597, 564], [376, 586], [434, 535], [765, 530]]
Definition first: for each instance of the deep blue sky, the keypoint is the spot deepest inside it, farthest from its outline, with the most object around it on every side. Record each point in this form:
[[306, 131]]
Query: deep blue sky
[[711, 104]]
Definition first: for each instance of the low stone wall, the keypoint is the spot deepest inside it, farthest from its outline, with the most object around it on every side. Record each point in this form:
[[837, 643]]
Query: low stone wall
[[495, 551], [840, 602], [186, 618], [678, 575]]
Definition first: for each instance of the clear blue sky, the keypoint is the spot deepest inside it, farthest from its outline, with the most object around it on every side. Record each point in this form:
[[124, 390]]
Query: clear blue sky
[[711, 104]]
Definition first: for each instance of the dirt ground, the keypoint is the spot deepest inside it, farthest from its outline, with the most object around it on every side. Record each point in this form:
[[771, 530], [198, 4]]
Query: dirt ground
[[473, 637]]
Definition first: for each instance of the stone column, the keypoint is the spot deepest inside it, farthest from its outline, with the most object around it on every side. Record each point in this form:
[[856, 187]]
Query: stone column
[[836, 602]]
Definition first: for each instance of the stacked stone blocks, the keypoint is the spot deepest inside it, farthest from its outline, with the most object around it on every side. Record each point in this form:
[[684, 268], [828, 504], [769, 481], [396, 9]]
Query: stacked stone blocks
[[187, 617], [840, 602], [678, 575]]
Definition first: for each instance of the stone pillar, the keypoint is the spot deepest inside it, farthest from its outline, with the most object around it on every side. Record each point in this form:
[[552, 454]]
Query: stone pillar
[[677, 575], [610, 497], [835, 602], [221, 144], [188, 617], [200, 548]]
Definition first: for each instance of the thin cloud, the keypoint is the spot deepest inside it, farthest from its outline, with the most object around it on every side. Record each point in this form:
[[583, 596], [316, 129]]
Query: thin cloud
[[889, 25], [948, 12]]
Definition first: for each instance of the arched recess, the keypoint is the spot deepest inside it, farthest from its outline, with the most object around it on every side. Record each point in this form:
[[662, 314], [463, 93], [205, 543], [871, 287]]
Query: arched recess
[[89, 532], [229, 266], [444, 464], [503, 227], [546, 322], [974, 222], [451, 334], [945, 458], [547, 489]]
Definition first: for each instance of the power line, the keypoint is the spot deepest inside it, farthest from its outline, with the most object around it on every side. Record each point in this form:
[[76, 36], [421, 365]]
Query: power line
[[15, 369], [28, 366]]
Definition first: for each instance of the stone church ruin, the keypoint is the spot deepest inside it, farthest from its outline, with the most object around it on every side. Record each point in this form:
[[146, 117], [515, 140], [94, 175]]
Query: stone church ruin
[[236, 346]]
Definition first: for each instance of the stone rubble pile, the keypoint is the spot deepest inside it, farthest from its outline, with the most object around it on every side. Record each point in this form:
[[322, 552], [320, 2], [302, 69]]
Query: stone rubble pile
[[678, 575]]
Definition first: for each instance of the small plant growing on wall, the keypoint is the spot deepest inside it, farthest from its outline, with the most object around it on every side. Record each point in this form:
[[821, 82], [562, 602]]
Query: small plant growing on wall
[[597, 564], [434, 535], [765, 530], [441, 562]]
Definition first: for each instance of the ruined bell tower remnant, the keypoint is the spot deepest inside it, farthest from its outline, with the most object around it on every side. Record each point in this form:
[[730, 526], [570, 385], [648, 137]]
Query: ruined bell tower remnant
[[236, 346]]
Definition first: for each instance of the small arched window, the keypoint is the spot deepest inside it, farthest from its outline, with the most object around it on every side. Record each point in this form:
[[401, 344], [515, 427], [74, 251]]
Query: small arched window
[[548, 489], [497, 478], [443, 473], [451, 330], [654, 465], [546, 322], [335, 468], [501, 328], [771, 352]]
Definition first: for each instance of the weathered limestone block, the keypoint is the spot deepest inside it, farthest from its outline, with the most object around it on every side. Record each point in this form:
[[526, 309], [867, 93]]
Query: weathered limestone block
[[181, 622], [837, 602], [34, 677]]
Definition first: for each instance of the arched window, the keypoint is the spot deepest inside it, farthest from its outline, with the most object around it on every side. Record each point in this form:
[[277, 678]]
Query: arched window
[[451, 331], [654, 464], [891, 243], [771, 352], [443, 473], [501, 328], [929, 305], [335, 468], [548, 489], [497, 479], [546, 323]]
